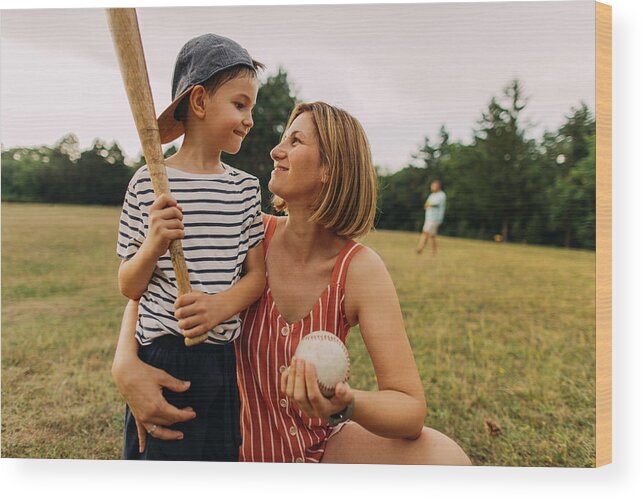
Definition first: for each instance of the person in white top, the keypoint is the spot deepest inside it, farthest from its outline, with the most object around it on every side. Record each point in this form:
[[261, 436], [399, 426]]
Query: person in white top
[[434, 207]]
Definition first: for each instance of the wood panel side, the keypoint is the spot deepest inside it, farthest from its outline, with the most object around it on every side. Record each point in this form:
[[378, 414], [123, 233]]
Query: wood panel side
[[603, 234]]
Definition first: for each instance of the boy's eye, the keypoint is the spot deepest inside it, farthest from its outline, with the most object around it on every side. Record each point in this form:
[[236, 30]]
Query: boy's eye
[[239, 105]]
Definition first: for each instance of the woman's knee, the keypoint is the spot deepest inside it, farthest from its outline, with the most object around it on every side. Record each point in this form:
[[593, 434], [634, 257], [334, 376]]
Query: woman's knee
[[449, 451], [355, 444]]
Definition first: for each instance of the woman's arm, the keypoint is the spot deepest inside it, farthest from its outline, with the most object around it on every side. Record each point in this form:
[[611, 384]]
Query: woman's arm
[[140, 385], [397, 409]]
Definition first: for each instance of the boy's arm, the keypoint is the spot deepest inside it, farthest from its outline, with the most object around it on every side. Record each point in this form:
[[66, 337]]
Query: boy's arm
[[249, 288], [166, 224], [198, 313], [134, 274]]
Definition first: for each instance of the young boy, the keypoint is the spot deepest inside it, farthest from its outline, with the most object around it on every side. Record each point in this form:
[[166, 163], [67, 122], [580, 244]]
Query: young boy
[[216, 211]]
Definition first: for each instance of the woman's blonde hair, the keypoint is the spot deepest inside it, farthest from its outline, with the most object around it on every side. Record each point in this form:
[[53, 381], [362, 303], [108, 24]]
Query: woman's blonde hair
[[348, 198]]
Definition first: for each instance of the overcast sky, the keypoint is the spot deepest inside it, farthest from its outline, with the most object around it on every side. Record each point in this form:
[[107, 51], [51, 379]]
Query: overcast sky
[[402, 70]]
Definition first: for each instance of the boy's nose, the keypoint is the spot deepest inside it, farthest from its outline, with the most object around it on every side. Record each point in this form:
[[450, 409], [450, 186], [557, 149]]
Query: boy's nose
[[249, 122]]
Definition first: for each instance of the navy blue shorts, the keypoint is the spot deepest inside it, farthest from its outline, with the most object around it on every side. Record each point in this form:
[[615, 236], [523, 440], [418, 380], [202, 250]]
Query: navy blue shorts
[[214, 435]]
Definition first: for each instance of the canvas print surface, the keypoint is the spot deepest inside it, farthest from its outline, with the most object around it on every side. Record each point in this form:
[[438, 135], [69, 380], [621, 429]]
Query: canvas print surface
[[387, 216]]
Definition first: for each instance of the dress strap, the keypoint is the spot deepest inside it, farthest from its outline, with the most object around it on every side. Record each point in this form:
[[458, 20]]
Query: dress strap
[[343, 261], [269, 226]]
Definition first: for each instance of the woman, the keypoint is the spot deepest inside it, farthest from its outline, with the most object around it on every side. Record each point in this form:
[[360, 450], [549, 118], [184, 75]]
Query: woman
[[318, 278]]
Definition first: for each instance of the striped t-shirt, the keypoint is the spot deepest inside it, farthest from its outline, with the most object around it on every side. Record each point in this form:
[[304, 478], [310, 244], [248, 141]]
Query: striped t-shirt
[[222, 220]]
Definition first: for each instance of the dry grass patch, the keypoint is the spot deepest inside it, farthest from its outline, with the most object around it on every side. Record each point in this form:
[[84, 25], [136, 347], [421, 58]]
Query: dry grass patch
[[503, 336]]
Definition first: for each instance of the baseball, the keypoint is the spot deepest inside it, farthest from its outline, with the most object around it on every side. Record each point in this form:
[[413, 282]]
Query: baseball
[[329, 356]]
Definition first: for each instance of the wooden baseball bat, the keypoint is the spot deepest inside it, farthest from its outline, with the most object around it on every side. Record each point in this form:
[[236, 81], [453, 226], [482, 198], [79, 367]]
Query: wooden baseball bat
[[123, 25]]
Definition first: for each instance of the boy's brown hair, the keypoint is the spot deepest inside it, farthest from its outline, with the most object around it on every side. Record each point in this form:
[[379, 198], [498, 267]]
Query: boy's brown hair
[[212, 85]]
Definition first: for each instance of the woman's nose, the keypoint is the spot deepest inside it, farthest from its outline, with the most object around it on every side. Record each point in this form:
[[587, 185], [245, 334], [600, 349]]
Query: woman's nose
[[277, 152]]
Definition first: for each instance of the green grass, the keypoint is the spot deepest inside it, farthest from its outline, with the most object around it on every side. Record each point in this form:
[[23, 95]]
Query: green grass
[[502, 334]]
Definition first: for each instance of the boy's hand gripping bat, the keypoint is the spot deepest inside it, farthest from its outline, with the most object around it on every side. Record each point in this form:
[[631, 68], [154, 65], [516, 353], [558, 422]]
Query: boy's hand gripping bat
[[123, 25]]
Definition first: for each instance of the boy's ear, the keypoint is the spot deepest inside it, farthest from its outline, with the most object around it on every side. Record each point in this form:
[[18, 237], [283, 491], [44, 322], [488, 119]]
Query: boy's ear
[[198, 98]]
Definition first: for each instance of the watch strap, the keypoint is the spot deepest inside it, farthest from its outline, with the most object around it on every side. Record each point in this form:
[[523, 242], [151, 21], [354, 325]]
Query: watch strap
[[342, 416]]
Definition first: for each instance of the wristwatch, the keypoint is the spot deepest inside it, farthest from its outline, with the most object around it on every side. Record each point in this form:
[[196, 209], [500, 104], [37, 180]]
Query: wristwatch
[[343, 416]]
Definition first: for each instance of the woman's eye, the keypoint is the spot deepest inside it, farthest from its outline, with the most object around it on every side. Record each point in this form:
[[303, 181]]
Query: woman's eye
[[295, 139]]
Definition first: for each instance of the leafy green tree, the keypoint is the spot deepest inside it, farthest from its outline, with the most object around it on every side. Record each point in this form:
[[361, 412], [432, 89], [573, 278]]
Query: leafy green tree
[[68, 148], [400, 199], [573, 200], [21, 173], [584, 177], [467, 202], [101, 174], [433, 157], [504, 155], [568, 209], [573, 144]]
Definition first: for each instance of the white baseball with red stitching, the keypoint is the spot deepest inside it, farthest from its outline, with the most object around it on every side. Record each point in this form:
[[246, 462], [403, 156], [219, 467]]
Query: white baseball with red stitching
[[329, 356]]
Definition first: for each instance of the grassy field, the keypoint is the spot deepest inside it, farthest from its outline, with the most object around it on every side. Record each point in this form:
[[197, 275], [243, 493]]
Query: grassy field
[[503, 336]]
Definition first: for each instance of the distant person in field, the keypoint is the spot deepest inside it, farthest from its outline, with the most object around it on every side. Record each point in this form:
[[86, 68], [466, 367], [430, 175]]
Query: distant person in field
[[434, 207]]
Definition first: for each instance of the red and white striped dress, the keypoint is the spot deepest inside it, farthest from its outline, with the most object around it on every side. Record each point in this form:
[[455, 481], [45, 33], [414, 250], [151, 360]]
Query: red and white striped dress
[[273, 428]]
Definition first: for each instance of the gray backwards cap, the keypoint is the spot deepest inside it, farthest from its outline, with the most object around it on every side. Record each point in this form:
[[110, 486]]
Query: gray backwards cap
[[199, 59]]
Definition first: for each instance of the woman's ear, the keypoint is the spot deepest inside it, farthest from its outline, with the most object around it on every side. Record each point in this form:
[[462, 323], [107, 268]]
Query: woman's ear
[[325, 175], [198, 98]]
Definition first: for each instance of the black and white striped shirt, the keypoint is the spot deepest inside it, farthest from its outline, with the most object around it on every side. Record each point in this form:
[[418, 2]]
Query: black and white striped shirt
[[222, 219]]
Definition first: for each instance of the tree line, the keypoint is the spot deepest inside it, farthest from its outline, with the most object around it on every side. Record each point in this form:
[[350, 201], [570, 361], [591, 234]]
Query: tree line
[[502, 185]]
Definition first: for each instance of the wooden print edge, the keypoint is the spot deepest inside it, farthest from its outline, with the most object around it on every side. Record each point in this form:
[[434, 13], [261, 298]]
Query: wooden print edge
[[603, 234]]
